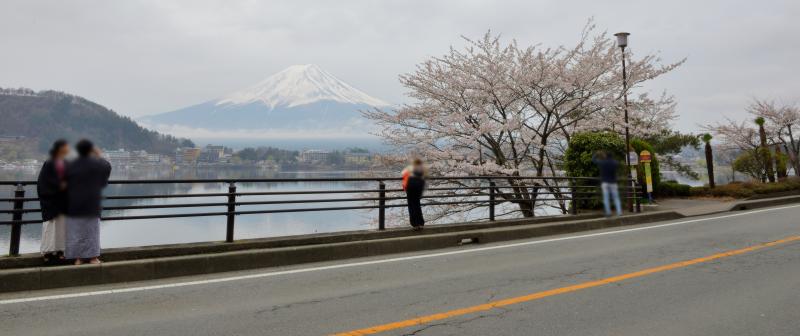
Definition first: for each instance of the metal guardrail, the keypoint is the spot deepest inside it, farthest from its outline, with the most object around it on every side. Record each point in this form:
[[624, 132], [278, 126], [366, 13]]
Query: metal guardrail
[[489, 191]]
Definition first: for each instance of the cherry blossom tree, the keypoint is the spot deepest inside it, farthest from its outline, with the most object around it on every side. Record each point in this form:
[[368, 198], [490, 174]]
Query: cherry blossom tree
[[781, 124], [501, 109], [739, 135]]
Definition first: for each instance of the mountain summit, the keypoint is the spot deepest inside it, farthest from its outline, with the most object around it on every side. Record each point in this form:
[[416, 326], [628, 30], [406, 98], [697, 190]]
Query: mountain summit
[[299, 85], [301, 98]]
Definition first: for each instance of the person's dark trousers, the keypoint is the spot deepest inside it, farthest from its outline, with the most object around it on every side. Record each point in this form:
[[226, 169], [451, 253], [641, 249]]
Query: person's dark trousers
[[413, 195]]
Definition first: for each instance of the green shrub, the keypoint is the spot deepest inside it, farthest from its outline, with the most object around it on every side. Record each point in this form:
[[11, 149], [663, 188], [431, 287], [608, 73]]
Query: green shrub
[[578, 159], [751, 163], [674, 189]]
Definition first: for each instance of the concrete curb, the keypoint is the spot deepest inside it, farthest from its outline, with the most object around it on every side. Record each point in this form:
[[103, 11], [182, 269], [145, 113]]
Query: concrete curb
[[764, 202], [36, 278], [317, 248], [774, 195], [174, 250]]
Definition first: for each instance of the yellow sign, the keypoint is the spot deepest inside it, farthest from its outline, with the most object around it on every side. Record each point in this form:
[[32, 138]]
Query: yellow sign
[[645, 158]]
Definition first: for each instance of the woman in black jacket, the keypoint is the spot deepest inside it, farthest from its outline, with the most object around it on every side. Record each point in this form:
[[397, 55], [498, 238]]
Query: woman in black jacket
[[414, 185], [52, 190]]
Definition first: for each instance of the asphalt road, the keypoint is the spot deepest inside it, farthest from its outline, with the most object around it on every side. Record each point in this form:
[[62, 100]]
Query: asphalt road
[[746, 292]]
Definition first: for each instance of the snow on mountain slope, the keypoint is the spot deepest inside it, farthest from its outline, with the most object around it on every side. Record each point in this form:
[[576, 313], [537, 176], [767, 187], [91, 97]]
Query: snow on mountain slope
[[299, 99], [299, 85]]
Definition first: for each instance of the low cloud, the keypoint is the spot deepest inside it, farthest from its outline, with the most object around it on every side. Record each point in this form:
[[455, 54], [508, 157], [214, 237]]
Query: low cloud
[[260, 134]]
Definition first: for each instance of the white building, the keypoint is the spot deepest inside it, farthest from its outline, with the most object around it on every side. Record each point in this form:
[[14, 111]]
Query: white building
[[118, 157], [314, 155]]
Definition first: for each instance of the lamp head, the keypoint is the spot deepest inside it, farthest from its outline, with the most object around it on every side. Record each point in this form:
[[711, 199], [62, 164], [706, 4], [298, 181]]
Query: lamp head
[[622, 39]]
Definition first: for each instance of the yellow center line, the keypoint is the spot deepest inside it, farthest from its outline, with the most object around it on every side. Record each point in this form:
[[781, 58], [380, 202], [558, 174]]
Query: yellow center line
[[557, 291]]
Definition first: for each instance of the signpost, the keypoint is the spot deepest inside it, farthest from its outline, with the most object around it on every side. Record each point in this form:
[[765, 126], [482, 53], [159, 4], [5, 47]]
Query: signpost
[[645, 157], [633, 160]]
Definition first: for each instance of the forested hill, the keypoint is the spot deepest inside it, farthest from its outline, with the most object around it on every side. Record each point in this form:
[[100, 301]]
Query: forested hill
[[49, 115]]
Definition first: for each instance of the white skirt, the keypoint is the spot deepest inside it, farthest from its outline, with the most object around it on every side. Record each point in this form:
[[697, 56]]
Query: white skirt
[[53, 233]]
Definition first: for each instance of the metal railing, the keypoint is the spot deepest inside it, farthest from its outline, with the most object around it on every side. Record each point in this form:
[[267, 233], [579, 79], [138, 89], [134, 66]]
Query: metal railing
[[563, 193]]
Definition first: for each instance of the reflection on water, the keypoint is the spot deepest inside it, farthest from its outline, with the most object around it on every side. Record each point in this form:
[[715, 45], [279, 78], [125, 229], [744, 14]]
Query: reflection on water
[[194, 229], [140, 232]]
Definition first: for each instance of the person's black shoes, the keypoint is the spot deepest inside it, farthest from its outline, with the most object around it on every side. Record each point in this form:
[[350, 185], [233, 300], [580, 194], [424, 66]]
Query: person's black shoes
[[53, 258]]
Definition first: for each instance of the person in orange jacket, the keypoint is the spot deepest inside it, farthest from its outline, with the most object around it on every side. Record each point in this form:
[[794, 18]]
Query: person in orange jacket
[[414, 186]]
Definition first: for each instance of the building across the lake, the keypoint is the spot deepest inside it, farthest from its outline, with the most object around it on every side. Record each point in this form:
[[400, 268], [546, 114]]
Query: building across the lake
[[187, 155], [118, 157], [143, 157], [357, 158], [314, 155], [212, 154], [121, 157]]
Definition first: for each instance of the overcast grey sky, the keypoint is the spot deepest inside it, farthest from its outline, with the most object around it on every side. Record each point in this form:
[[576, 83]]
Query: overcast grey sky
[[145, 57]]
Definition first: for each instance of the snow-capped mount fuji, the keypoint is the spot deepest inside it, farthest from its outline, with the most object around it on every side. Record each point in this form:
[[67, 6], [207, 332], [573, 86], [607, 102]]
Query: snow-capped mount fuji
[[299, 98], [299, 85]]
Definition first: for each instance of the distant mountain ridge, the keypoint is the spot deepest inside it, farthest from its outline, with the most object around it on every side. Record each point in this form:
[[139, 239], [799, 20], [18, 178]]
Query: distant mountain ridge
[[50, 115], [299, 98]]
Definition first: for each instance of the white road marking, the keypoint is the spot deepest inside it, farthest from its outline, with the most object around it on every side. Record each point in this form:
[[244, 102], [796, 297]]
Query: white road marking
[[373, 262]]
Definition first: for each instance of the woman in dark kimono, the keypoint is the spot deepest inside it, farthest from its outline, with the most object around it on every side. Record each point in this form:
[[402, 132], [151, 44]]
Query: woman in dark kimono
[[414, 185], [52, 189], [87, 176]]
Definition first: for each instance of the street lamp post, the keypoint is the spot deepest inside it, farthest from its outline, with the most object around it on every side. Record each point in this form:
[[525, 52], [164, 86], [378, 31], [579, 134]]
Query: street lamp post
[[622, 42]]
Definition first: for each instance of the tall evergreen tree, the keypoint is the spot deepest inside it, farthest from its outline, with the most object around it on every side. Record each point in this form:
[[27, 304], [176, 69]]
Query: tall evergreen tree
[[709, 160]]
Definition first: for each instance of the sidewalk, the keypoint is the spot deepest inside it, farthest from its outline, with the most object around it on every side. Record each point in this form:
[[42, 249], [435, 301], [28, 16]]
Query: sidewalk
[[691, 206]]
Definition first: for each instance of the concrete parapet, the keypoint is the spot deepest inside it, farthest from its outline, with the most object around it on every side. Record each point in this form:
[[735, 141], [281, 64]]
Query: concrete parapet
[[326, 249]]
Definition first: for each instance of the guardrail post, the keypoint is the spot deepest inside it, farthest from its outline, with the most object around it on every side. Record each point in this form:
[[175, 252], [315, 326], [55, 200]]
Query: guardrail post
[[16, 228], [574, 195], [231, 210], [637, 198], [631, 203], [491, 200], [381, 206]]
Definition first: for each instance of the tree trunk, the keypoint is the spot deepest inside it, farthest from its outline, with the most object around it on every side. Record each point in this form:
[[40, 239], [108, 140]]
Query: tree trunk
[[526, 208], [710, 165], [791, 148], [780, 163], [524, 196]]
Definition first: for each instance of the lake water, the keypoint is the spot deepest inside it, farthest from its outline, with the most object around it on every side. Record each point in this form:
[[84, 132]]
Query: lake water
[[141, 232], [194, 229]]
